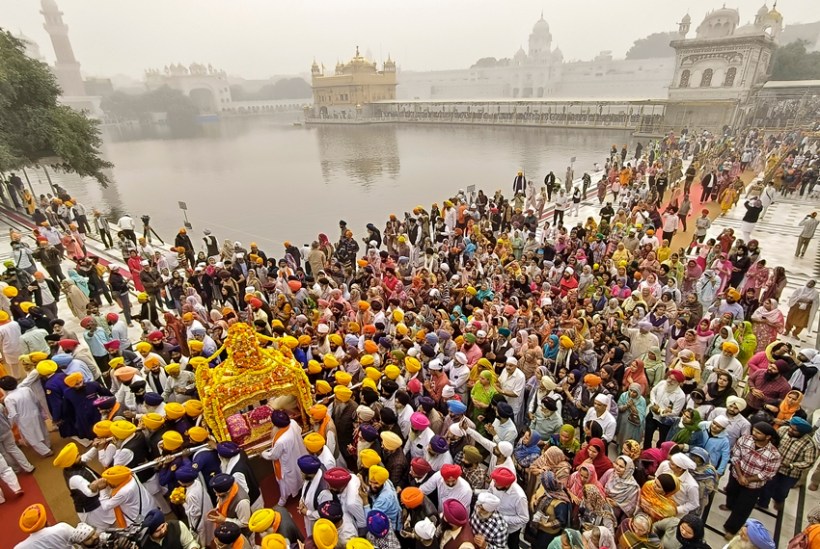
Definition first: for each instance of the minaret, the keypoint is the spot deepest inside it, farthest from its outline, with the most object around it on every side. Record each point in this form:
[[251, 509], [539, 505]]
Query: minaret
[[66, 68]]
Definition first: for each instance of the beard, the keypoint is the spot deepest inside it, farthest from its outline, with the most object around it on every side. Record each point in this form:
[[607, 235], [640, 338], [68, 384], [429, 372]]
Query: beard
[[769, 376]]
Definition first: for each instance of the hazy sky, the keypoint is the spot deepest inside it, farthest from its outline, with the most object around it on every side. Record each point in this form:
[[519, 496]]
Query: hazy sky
[[259, 38]]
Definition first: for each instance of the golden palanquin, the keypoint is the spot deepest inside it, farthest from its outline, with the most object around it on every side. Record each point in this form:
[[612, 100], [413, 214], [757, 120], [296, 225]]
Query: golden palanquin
[[232, 392]]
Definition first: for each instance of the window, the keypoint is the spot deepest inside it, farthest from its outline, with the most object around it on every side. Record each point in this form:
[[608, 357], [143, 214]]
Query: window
[[729, 81], [706, 79], [684, 78]]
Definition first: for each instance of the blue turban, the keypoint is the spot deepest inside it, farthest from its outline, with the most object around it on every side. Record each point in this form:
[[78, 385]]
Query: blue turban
[[280, 418], [186, 474], [222, 482], [505, 410], [758, 535], [331, 510], [800, 424], [153, 399], [62, 359], [153, 520], [378, 524], [227, 449], [456, 407], [309, 464], [504, 332], [439, 444], [431, 338], [427, 403], [428, 350], [368, 432]]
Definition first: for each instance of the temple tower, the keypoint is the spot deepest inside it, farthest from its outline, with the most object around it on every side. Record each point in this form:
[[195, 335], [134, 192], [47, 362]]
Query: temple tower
[[66, 68]]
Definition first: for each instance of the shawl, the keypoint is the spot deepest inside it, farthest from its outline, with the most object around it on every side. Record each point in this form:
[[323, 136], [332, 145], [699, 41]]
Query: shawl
[[601, 461], [657, 455], [747, 341], [787, 410], [636, 376], [576, 540], [553, 488], [624, 489], [553, 459], [804, 293], [772, 316], [551, 353], [640, 402], [482, 394], [575, 485], [605, 537], [656, 505], [573, 445], [525, 454], [628, 539], [686, 431]]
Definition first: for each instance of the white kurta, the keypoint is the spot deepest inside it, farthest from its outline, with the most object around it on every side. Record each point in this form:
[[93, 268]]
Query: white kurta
[[514, 383], [11, 348], [132, 499], [25, 412], [461, 491], [287, 450], [197, 506], [50, 537]]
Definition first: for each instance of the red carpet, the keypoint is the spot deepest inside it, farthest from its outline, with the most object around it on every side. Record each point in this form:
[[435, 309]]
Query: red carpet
[[11, 510], [270, 493]]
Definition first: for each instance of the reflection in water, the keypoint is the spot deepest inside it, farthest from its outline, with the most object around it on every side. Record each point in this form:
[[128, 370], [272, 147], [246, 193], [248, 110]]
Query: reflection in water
[[358, 153], [263, 179]]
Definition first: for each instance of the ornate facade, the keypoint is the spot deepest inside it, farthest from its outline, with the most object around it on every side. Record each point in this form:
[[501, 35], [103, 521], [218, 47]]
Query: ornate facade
[[353, 85], [717, 70]]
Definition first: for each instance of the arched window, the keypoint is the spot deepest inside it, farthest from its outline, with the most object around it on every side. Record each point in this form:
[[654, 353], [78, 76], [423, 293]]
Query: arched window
[[706, 79], [684, 78], [729, 81]]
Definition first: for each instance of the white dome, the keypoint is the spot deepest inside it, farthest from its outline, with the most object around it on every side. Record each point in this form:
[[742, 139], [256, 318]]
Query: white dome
[[541, 26]]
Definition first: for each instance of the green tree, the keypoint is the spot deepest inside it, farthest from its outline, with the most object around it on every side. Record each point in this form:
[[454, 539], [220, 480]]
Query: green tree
[[793, 62], [34, 128], [180, 110], [653, 46]]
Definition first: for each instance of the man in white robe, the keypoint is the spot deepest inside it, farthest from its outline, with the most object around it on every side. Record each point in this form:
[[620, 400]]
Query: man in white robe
[[33, 522], [449, 484], [511, 384], [122, 493], [10, 346], [286, 448], [197, 504], [25, 413]]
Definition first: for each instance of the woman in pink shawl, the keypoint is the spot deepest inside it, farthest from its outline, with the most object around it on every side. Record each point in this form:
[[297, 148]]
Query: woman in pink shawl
[[756, 278], [723, 268], [326, 247], [635, 373], [691, 275], [652, 457], [584, 475], [135, 266], [767, 322]]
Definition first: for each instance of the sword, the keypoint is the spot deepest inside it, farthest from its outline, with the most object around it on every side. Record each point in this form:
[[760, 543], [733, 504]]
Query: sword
[[154, 462]]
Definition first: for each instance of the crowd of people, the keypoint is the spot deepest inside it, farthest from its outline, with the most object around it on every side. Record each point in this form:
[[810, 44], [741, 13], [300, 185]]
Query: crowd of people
[[479, 376]]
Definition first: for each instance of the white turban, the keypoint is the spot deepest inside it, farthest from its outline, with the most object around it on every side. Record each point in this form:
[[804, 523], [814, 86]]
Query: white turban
[[603, 399], [425, 529], [488, 501], [505, 448], [461, 358], [81, 533], [737, 401], [683, 461], [721, 420]]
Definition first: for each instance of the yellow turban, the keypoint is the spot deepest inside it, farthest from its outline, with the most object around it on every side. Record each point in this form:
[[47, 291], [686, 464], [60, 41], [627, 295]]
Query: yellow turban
[[197, 361], [367, 382], [730, 346], [37, 356], [392, 371], [390, 440], [117, 475], [398, 315], [373, 374], [153, 420], [275, 541], [192, 407], [72, 380], [142, 347], [4, 316], [369, 457], [378, 474], [330, 361], [174, 410], [314, 367], [46, 367], [366, 360], [343, 394], [33, 518], [290, 342], [67, 456], [314, 442], [733, 293], [171, 440], [102, 428], [412, 364], [335, 339], [401, 329], [198, 434], [116, 362], [471, 290], [195, 345], [172, 368], [566, 342], [152, 363], [343, 378], [325, 535], [122, 429], [323, 387], [304, 340], [358, 543], [10, 291], [261, 520]]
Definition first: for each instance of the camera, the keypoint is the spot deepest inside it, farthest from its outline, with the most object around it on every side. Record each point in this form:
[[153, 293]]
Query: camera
[[132, 537], [146, 219]]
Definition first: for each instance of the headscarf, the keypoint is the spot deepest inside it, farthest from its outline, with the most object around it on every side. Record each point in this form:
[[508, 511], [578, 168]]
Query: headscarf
[[576, 540], [686, 431], [601, 462], [575, 485], [525, 454], [551, 353], [624, 489], [574, 445], [629, 539], [656, 505], [787, 409], [553, 488], [605, 537], [657, 455], [696, 524]]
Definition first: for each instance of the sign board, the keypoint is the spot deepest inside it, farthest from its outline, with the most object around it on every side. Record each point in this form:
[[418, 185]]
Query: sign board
[[470, 189], [571, 161], [183, 206], [188, 226]]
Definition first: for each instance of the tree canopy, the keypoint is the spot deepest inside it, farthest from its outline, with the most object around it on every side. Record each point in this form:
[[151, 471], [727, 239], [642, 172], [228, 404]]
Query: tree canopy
[[181, 111], [654, 45], [284, 88], [793, 62], [34, 127]]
